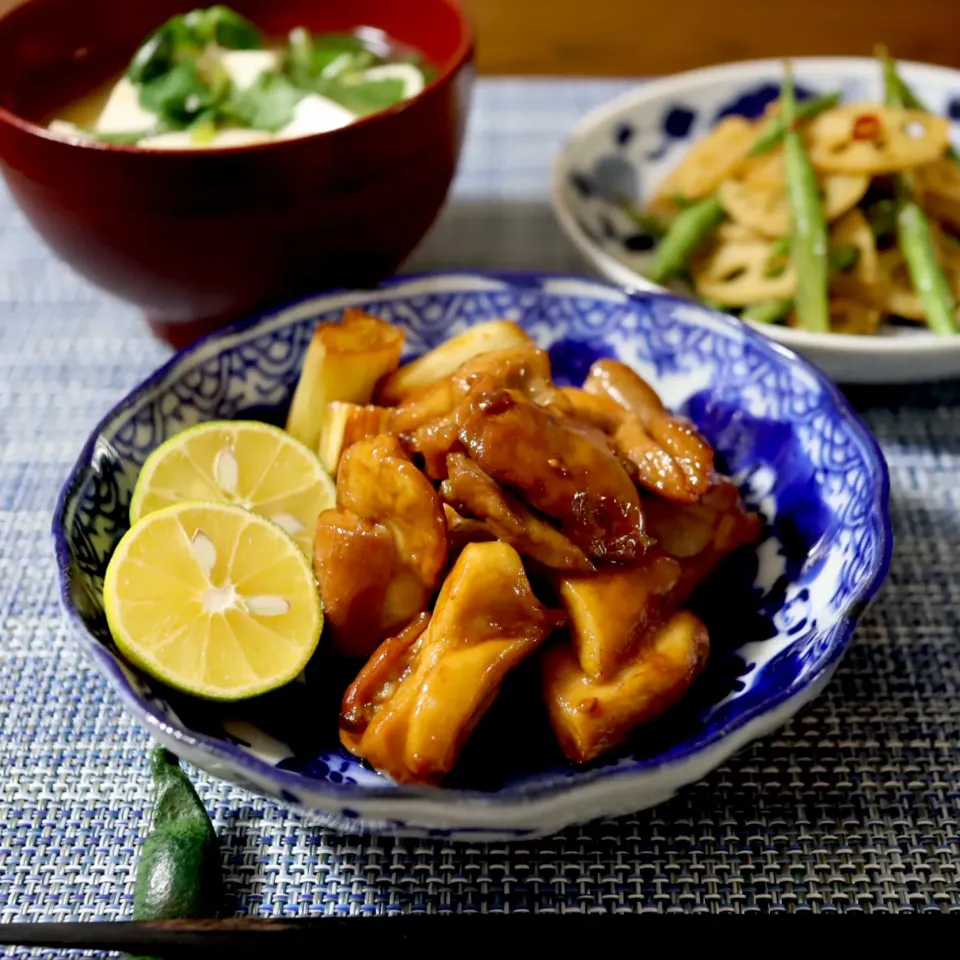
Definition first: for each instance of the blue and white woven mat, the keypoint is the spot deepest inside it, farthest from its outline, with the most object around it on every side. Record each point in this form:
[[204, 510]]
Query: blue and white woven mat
[[852, 807]]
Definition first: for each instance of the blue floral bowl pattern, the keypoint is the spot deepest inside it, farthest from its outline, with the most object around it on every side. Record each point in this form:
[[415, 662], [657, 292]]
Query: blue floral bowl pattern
[[780, 615], [619, 153]]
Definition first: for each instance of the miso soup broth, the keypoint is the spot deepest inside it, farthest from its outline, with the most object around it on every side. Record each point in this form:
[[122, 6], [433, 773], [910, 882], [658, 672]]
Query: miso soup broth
[[210, 79]]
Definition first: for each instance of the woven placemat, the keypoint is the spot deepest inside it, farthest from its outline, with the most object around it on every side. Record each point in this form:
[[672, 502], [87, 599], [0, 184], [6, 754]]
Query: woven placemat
[[851, 807]]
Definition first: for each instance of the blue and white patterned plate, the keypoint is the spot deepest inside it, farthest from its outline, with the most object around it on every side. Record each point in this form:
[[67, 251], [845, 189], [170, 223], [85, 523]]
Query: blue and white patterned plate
[[624, 149], [780, 616]]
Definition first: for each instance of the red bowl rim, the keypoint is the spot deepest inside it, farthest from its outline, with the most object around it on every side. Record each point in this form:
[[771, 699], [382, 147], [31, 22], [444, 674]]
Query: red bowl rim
[[461, 56]]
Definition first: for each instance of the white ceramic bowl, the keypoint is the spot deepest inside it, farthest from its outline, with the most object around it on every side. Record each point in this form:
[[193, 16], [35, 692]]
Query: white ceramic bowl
[[630, 144]]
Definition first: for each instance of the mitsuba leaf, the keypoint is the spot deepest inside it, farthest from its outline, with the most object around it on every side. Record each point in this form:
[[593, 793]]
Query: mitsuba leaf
[[184, 36], [178, 96], [225, 27], [204, 128], [339, 43], [312, 57], [268, 104], [300, 58], [162, 50], [331, 62], [127, 139], [364, 96]]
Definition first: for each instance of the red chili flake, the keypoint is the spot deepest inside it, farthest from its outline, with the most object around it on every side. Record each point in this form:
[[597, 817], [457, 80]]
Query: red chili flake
[[867, 127]]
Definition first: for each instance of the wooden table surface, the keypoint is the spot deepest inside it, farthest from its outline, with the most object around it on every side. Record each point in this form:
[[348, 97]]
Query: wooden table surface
[[649, 37]]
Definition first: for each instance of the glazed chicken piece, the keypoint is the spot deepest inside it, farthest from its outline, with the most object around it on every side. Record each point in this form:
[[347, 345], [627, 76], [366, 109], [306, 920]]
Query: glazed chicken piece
[[558, 471], [594, 410], [463, 530], [431, 419], [354, 561], [419, 697], [610, 611], [426, 406], [590, 717], [470, 490], [700, 536], [379, 556], [525, 369], [668, 454], [435, 441], [377, 682]]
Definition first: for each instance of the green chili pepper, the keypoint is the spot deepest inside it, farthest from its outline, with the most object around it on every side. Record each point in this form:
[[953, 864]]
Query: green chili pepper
[[767, 311], [179, 872], [691, 227], [809, 231], [914, 236], [772, 133]]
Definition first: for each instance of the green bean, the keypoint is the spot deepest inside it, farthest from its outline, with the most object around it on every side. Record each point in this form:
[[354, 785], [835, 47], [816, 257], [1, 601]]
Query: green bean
[[691, 227], [844, 257], [916, 243], [778, 258], [680, 201], [718, 305], [914, 236], [900, 95], [882, 217], [809, 229], [779, 248], [698, 218], [772, 134], [767, 311], [648, 223]]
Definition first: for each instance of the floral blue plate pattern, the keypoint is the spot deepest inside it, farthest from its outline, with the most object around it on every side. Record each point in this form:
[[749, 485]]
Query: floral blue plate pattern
[[622, 150], [780, 615]]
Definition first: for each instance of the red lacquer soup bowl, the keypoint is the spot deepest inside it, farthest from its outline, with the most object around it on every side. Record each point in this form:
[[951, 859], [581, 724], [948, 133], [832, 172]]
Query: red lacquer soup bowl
[[199, 238]]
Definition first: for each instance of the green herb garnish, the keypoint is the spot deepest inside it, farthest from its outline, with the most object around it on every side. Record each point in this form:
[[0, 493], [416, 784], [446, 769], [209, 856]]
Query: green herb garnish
[[844, 257], [363, 97], [180, 77], [225, 27], [266, 105], [178, 96]]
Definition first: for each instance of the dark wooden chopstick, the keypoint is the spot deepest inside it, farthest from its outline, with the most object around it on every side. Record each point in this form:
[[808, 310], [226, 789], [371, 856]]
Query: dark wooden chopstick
[[502, 933], [303, 936], [253, 937], [172, 936]]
